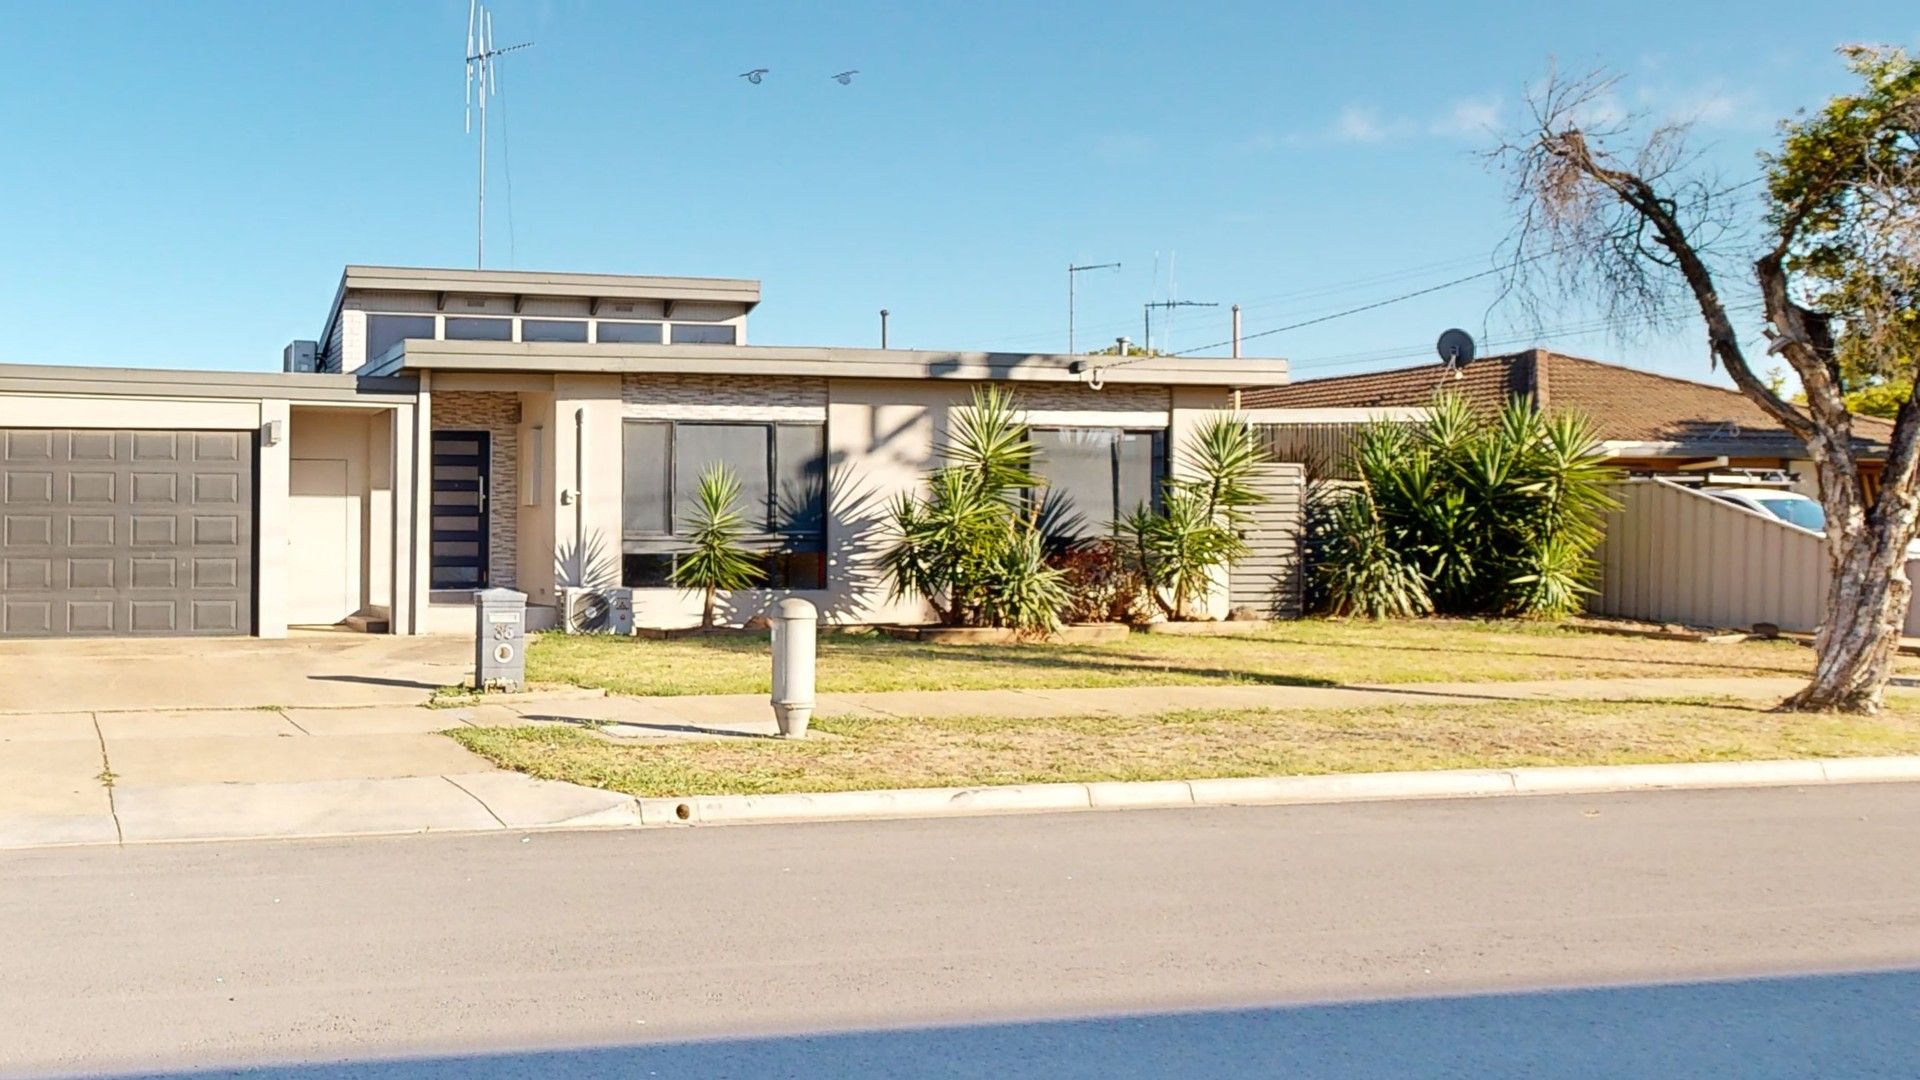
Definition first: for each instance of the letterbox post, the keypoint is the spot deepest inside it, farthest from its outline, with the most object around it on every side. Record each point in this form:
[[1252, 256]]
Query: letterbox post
[[499, 639]]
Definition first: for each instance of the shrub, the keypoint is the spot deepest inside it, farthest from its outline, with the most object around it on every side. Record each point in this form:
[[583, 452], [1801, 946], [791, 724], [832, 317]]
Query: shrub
[[1179, 548], [715, 558], [971, 546], [1486, 515], [1100, 582]]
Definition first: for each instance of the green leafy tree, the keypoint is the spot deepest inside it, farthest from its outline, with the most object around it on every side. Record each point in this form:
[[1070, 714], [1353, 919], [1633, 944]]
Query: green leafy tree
[[1610, 213], [1467, 514], [715, 559]]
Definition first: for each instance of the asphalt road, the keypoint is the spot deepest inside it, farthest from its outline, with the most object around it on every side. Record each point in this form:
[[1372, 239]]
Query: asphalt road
[[1752, 933]]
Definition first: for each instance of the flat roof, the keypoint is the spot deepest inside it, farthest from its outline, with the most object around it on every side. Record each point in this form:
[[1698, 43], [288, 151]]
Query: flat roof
[[823, 362], [169, 382], [546, 283]]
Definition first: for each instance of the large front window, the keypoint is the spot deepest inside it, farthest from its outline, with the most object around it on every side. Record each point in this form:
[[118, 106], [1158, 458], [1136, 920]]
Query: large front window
[[783, 495], [1096, 475]]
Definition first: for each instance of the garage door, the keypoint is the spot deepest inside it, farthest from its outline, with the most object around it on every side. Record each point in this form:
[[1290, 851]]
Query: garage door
[[125, 532]]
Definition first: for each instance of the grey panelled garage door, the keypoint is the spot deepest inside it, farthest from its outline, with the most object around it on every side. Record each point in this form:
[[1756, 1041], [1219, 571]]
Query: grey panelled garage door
[[125, 532]]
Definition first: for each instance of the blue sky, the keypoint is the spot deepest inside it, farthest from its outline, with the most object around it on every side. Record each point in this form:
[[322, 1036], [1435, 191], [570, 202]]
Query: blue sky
[[180, 184]]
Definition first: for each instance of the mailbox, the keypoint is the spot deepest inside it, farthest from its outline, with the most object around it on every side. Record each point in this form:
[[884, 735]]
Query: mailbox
[[499, 639]]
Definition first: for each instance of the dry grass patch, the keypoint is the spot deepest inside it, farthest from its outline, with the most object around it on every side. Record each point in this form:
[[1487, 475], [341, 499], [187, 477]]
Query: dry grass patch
[[849, 755], [1312, 652]]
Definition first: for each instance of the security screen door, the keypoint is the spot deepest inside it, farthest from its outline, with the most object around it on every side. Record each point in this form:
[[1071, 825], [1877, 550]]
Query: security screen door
[[461, 474]]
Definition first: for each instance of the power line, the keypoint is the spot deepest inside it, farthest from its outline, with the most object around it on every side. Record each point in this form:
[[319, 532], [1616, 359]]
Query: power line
[[1365, 307]]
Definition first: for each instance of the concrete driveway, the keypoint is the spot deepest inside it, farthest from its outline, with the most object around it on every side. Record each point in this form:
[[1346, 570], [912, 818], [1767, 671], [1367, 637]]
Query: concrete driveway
[[312, 670]]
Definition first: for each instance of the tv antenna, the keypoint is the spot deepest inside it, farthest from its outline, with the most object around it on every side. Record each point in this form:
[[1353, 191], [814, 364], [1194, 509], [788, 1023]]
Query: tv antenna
[[1455, 348], [1167, 305], [483, 59], [1072, 271]]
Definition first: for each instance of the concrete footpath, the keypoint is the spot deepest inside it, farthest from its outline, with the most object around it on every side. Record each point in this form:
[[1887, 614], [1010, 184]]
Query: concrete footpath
[[128, 776], [222, 774]]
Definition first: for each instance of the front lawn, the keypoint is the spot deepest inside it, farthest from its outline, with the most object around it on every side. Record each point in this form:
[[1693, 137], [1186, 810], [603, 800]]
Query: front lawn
[[848, 755], [1310, 652]]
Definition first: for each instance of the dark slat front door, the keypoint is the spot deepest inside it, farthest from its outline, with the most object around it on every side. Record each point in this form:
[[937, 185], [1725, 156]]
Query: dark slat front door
[[461, 472]]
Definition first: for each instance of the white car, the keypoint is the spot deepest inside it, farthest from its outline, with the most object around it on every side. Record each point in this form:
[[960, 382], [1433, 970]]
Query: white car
[[1789, 506]]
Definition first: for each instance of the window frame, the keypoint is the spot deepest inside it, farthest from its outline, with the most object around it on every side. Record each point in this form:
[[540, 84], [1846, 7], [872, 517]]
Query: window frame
[[1159, 465], [770, 543]]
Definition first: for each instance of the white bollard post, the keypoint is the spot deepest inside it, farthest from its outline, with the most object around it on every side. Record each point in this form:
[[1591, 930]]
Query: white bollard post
[[794, 624]]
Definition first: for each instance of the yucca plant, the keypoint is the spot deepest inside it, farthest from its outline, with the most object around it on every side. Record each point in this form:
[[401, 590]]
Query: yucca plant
[[1182, 545], [1362, 572], [715, 559], [1495, 514], [972, 545]]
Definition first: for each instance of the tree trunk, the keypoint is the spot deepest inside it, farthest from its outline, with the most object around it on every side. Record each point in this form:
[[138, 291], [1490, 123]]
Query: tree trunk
[[1867, 602], [706, 611]]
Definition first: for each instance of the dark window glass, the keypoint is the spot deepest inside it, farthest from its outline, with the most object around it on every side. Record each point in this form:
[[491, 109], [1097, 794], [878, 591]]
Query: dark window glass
[[552, 330], [800, 479], [697, 334], [471, 328], [696, 447], [646, 570], [386, 331], [1142, 462], [629, 333], [781, 463], [1077, 464], [646, 497], [795, 569]]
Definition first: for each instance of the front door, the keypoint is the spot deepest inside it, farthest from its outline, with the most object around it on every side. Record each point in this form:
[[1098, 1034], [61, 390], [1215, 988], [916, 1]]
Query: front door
[[461, 474]]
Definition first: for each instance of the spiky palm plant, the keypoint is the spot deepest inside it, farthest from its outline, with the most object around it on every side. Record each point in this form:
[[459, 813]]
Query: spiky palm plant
[[972, 546], [1179, 547], [715, 558], [1496, 514]]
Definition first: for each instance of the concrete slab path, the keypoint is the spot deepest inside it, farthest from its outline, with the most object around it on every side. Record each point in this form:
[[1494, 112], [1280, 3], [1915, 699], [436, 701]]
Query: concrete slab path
[[180, 773], [308, 669], [214, 774]]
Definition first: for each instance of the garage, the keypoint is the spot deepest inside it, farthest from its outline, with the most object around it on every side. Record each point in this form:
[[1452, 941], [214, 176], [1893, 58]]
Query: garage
[[126, 532]]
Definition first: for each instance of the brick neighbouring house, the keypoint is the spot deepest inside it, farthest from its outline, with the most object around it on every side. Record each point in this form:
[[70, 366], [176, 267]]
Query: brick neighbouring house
[[1648, 423]]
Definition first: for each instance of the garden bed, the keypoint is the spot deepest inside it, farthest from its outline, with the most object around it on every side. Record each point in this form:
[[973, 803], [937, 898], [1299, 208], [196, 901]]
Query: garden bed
[[1229, 628]]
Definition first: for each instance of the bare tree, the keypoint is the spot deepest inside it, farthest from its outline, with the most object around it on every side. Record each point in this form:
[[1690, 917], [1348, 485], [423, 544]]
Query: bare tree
[[1605, 212]]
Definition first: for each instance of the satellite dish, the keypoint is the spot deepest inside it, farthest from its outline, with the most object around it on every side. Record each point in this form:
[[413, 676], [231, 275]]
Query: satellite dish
[[1455, 347]]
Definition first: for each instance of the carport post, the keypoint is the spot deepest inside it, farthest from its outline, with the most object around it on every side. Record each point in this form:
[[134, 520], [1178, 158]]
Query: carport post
[[794, 623]]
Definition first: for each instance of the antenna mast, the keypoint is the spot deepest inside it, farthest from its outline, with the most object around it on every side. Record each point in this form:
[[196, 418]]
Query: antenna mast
[[482, 58]]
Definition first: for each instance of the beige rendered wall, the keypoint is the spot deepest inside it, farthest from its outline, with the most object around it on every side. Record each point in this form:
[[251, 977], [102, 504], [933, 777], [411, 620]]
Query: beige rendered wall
[[1192, 405], [364, 438], [321, 434], [882, 437]]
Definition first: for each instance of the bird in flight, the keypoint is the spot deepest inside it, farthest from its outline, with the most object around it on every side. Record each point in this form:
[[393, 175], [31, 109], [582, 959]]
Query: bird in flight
[[755, 75], [845, 77]]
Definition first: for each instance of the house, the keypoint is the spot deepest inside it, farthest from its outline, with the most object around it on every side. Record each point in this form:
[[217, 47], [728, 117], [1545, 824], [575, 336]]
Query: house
[[455, 429], [1649, 424]]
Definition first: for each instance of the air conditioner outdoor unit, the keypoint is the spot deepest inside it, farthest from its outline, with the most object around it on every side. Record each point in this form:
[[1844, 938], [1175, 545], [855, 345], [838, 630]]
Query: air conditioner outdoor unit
[[301, 356], [602, 610]]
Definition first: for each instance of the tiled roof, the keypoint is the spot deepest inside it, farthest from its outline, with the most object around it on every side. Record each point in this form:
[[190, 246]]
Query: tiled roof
[[1625, 405]]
